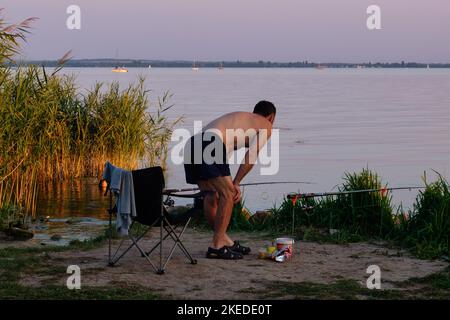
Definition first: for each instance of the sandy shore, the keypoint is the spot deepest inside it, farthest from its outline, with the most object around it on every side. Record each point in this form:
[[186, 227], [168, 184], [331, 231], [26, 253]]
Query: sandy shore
[[243, 279]]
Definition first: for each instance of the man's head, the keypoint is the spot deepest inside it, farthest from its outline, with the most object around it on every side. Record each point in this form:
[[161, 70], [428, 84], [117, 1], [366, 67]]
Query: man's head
[[265, 109]]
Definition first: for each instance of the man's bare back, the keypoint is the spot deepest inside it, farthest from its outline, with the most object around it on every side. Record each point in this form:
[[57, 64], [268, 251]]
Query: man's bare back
[[249, 123]]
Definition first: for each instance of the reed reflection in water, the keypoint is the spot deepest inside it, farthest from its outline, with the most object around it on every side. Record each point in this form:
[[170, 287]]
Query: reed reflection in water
[[76, 198]]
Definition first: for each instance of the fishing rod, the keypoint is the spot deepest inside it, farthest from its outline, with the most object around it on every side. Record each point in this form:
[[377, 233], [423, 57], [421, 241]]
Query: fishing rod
[[295, 196], [167, 191], [326, 194]]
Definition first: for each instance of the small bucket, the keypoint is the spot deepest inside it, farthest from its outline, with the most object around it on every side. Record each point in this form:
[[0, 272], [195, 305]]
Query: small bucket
[[283, 243], [285, 249]]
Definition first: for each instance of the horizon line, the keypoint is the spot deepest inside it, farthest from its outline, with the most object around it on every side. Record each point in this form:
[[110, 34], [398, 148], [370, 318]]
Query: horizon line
[[161, 63], [236, 61]]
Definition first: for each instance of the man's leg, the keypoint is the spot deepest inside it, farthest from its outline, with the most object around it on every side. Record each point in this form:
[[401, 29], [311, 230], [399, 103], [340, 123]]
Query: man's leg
[[210, 205], [210, 201], [225, 190]]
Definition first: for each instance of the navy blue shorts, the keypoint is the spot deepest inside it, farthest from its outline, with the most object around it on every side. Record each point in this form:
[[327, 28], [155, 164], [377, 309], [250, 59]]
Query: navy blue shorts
[[205, 168]]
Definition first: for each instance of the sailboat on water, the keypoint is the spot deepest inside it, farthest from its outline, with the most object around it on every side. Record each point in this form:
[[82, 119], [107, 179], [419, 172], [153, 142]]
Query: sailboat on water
[[194, 67], [220, 66], [119, 69]]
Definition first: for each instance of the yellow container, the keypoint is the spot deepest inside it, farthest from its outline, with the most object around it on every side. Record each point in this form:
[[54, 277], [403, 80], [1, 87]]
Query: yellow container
[[271, 249]]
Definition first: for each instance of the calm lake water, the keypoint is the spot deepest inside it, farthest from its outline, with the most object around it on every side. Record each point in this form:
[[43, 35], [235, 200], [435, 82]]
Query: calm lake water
[[396, 122]]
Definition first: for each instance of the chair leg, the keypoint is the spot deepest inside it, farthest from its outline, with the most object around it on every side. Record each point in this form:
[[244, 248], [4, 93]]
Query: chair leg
[[114, 260], [110, 211], [110, 241], [177, 239], [161, 267], [172, 250], [170, 231], [145, 255], [157, 244], [124, 252], [160, 271]]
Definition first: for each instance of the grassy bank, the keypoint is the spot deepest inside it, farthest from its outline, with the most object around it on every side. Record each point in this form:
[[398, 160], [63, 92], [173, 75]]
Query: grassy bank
[[435, 286], [425, 229], [15, 264]]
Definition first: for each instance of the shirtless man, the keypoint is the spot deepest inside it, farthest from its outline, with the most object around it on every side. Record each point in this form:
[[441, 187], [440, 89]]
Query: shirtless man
[[225, 134]]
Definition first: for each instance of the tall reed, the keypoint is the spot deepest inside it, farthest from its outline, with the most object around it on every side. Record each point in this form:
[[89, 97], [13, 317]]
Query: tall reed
[[362, 214], [426, 228], [50, 131]]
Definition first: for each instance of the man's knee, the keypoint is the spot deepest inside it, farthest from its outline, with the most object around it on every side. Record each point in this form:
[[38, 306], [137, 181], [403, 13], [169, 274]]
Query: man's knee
[[226, 194]]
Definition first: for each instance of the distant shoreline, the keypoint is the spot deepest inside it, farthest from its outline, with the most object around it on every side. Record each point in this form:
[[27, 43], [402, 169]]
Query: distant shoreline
[[136, 63]]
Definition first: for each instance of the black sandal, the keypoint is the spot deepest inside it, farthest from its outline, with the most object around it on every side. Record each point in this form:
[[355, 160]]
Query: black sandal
[[223, 253], [237, 247]]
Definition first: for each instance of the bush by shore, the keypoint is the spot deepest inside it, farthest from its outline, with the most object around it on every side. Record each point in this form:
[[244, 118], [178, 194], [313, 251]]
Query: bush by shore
[[425, 229]]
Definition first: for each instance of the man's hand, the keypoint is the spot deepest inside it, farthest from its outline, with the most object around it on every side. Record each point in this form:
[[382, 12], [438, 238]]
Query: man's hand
[[237, 193]]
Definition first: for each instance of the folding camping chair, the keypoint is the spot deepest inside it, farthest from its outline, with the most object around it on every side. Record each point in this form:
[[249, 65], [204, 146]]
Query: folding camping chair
[[151, 212]]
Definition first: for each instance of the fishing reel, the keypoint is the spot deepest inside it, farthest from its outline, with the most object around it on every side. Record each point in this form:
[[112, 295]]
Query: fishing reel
[[295, 197], [169, 202]]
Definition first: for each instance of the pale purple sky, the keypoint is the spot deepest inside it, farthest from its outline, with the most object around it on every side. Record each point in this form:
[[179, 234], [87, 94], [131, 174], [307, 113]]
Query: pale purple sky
[[277, 30]]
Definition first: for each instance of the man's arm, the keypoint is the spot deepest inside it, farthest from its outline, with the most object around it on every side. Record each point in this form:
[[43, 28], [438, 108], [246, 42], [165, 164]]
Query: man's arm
[[244, 168], [251, 155]]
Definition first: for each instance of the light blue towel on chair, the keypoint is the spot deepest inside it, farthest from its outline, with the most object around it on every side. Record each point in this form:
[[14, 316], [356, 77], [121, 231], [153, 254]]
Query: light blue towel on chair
[[120, 183]]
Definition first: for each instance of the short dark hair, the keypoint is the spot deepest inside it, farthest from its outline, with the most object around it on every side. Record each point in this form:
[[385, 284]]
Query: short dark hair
[[265, 108]]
